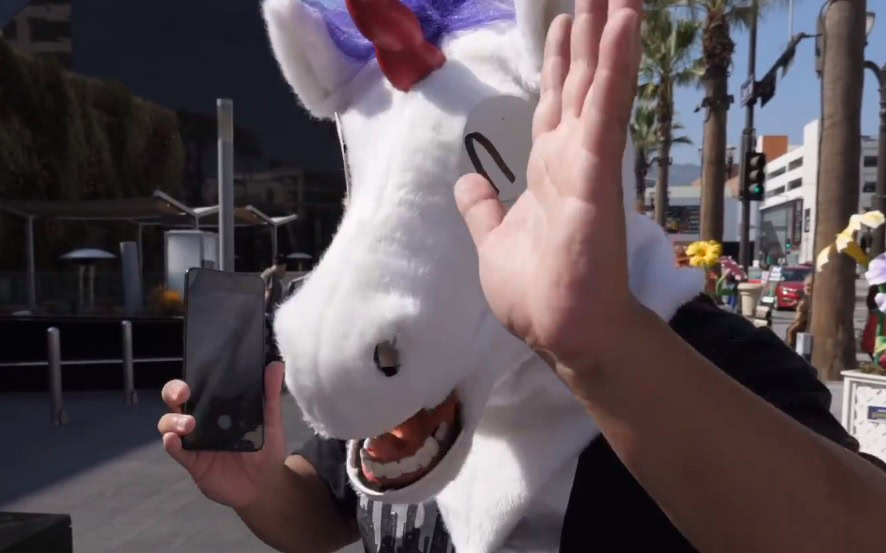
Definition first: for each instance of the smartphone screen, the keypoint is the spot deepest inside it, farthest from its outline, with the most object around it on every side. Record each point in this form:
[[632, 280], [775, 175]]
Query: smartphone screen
[[224, 360]]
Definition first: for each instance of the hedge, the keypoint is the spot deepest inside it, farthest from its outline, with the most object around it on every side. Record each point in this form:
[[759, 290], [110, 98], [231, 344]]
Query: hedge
[[68, 137]]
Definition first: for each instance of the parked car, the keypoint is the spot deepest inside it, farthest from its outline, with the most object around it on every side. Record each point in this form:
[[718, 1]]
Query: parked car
[[789, 291]]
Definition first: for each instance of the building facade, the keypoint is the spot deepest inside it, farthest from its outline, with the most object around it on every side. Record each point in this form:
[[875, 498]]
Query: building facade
[[40, 28], [787, 215]]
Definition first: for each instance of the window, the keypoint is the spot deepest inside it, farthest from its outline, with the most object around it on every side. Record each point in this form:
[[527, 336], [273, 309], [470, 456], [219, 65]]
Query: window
[[796, 164], [869, 187], [776, 172], [870, 161], [46, 30], [796, 183], [775, 192]]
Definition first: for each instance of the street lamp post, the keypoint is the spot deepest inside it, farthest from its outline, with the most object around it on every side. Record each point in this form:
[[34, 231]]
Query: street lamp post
[[878, 244]]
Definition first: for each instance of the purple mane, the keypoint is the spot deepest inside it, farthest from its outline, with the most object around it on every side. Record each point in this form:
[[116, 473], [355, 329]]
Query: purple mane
[[438, 18]]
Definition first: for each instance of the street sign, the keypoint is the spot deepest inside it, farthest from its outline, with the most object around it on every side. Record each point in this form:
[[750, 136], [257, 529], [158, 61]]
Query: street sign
[[747, 93]]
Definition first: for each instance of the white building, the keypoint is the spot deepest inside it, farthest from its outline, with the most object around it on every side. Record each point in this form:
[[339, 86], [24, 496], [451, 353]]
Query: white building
[[788, 213]]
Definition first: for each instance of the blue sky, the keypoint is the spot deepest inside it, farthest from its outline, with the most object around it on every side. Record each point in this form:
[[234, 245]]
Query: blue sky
[[798, 98]]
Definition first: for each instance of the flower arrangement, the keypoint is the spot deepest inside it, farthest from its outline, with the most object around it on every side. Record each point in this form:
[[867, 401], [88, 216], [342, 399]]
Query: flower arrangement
[[875, 274], [705, 254]]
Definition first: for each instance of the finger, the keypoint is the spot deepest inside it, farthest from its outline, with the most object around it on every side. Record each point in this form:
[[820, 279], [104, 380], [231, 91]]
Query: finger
[[172, 443], [479, 205], [176, 424], [273, 391], [553, 75], [607, 109], [590, 19], [635, 5], [175, 393]]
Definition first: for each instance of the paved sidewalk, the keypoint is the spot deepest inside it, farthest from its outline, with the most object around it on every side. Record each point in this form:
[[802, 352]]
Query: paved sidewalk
[[107, 468]]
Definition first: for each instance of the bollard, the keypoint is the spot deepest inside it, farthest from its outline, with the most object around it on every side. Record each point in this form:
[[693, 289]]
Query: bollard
[[57, 414], [129, 395]]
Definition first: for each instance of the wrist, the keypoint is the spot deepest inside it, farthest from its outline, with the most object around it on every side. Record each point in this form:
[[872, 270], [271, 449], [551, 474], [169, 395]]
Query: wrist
[[612, 354]]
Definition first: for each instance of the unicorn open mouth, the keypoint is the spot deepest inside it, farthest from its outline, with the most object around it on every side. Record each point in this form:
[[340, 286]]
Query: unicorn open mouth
[[410, 451]]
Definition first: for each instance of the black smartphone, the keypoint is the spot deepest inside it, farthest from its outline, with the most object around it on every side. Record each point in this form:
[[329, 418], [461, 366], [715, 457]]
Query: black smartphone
[[224, 360]]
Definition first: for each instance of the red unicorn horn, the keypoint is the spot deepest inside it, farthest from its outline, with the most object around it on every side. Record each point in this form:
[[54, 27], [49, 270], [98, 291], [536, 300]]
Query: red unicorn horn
[[403, 53]]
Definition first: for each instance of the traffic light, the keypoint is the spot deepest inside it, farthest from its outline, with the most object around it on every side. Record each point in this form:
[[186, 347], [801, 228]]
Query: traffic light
[[755, 176]]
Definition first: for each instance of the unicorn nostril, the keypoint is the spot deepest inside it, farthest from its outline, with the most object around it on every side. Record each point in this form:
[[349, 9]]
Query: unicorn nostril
[[386, 358]]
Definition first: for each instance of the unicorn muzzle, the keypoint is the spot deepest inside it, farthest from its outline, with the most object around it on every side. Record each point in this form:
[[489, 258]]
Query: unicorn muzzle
[[409, 451]]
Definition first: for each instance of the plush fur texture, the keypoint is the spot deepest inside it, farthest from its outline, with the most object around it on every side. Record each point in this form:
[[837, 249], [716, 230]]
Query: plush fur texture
[[402, 267]]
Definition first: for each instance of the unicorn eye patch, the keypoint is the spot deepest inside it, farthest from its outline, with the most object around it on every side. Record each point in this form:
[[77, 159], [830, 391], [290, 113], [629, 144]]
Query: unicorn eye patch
[[497, 139]]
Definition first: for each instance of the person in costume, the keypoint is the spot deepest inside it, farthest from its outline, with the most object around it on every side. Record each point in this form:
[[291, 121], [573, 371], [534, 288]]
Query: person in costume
[[585, 396]]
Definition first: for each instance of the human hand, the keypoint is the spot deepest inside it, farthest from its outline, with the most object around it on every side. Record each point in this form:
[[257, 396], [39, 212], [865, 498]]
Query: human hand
[[236, 480], [554, 267]]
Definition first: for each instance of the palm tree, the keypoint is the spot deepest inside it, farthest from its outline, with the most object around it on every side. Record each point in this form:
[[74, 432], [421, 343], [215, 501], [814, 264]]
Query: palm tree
[[644, 133], [720, 16], [668, 62], [833, 297]]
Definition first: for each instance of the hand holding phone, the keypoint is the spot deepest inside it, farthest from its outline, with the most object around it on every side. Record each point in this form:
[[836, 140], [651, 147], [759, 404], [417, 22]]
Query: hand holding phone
[[234, 479], [224, 359]]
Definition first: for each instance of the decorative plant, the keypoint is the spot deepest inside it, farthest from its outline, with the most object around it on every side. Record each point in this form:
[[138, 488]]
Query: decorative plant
[[706, 254], [875, 274]]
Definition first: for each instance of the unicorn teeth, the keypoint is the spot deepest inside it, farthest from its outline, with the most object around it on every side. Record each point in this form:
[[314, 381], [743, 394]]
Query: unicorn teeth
[[414, 463]]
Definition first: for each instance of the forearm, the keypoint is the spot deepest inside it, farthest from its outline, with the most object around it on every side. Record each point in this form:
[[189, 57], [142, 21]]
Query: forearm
[[731, 471], [296, 514]]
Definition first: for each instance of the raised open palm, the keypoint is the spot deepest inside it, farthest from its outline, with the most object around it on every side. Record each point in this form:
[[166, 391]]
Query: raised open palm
[[554, 267]]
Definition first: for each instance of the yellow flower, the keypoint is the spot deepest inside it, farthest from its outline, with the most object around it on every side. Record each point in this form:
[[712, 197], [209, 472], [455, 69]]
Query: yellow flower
[[711, 259], [715, 249], [696, 261], [697, 248]]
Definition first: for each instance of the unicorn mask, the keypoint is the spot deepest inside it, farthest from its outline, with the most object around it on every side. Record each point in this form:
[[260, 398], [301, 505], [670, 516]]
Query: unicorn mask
[[390, 343]]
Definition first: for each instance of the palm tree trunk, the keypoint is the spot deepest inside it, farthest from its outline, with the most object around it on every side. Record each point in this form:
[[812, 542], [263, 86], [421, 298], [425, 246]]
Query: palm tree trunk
[[834, 290], [713, 173], [640, 168], [661, 186]]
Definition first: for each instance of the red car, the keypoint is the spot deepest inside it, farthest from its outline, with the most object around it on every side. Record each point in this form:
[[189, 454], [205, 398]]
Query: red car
[[789, 291]]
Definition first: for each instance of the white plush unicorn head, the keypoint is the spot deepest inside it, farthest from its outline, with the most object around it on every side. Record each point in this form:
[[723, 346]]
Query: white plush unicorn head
[[390, 343]]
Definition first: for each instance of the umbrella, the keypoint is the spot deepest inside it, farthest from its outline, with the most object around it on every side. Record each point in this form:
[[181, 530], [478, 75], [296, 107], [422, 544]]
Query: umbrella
[[731, 266], [87, 257], [87, 254]]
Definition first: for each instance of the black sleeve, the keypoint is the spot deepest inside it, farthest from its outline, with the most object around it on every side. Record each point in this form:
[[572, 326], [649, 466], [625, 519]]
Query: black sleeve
[[760, 361], [328, 459]]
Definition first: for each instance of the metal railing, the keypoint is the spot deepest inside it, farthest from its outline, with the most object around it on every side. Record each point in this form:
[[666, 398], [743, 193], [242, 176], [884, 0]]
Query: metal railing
[[58, 415]]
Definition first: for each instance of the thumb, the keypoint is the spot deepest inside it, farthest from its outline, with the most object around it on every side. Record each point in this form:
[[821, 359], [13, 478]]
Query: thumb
[[479, 205], [273, 391]]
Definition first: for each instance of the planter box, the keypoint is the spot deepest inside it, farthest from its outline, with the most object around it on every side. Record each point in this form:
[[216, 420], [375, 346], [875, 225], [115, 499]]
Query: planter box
[[864, 410]]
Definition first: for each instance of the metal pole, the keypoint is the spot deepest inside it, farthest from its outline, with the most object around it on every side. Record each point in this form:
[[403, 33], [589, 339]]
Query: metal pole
[[226, 184], [32, 271], [746, 146], [878, 244], [57, 414], [129, 395], [140, 242], [273, 242]]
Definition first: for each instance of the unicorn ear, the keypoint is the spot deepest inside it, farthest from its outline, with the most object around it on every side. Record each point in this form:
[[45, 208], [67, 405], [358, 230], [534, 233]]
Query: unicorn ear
[[534, 18], [311, 63]]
